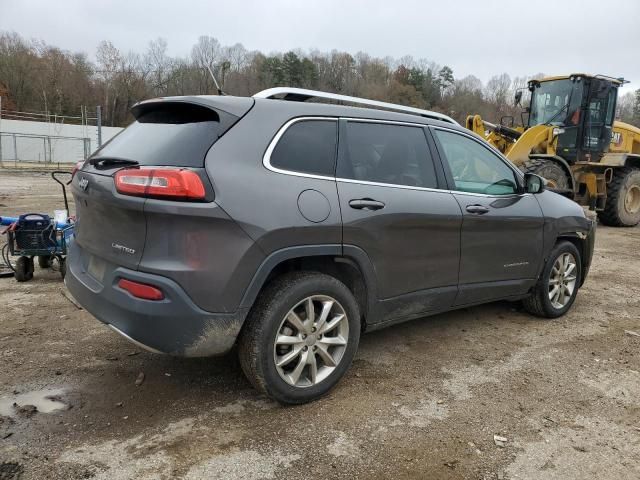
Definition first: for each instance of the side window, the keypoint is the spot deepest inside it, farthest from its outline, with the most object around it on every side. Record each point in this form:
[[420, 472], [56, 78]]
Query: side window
[[475, 168], [308, 146], [386, 153]]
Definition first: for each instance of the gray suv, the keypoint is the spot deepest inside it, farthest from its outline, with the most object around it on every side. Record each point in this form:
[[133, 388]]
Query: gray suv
[[289, 227]]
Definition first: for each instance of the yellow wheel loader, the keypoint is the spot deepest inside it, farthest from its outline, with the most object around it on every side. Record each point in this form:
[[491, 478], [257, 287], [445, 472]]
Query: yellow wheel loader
[[572, 140]]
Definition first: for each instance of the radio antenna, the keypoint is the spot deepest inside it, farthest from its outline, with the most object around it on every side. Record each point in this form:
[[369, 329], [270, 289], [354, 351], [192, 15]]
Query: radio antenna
[[220, 92]]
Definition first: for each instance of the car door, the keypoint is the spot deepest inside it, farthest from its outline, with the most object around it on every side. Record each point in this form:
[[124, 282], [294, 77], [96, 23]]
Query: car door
[[396, 208], [502, 228]]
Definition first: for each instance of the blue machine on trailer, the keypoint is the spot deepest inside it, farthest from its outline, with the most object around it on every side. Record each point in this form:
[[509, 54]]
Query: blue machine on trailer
[[37, 235]]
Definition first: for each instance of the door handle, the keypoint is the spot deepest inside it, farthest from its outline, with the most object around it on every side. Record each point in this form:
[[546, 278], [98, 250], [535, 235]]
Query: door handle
[[366, 204], [477, 209]]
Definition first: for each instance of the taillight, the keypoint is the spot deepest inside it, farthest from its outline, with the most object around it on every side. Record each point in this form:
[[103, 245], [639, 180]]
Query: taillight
[[76, 167], [141, 290], [170, 183]]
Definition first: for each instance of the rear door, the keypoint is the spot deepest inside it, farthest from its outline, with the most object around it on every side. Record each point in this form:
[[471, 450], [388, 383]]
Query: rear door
[[598, 122], [111, 226], [502, 228], [394, 209]]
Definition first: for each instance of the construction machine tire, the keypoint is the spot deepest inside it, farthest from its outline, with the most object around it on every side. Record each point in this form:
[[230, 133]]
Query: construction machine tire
[[622, 208], [552, 172]]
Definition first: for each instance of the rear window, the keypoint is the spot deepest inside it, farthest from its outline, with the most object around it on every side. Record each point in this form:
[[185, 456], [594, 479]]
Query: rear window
[[308, 146], [171, 134]]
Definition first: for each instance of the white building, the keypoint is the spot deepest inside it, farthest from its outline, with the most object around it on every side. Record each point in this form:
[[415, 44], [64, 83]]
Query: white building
[[49, 142]]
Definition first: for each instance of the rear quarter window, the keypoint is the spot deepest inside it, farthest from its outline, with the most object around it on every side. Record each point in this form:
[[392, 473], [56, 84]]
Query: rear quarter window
[[171, 134], [307, 146]]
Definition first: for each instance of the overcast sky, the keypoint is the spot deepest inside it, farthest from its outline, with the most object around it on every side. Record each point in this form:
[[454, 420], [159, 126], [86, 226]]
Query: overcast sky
[[482, 38]]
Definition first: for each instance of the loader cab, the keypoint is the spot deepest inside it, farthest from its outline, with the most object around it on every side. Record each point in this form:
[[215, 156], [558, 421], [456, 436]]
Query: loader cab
[[581, 108]]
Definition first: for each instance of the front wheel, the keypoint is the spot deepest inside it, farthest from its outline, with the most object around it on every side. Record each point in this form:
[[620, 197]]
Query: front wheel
[[300, 337], [24, 269], [552, 172], [558, 284], [45, 261]]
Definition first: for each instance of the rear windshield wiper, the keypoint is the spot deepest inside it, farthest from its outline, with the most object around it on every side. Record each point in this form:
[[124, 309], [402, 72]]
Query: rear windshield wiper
[[108, 162]]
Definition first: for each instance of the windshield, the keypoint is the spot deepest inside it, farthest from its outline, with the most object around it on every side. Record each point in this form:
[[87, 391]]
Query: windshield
[[556, 102]]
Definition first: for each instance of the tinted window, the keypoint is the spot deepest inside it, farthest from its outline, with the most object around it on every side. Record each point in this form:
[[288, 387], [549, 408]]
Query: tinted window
[[177, 134], [308, 146], [385, 153], [475, 168]]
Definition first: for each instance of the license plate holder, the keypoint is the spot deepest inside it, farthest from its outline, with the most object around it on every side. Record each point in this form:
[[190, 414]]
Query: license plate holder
[[96, 268]]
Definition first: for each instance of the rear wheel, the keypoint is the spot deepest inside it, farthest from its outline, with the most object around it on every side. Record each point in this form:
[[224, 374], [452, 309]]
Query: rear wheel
[[24, 269], [551, 171], [558, 284], [623, 199], [300, 337], [45, 261]]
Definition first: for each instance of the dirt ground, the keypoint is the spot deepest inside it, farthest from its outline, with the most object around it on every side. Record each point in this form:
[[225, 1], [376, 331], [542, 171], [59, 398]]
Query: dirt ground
[[422, 400]]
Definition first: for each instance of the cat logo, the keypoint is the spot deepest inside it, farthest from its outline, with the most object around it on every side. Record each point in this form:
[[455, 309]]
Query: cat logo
[[616, 138]]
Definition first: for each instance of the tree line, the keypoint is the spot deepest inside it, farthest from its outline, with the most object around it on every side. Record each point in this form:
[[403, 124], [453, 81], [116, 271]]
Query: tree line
[[37, 77]]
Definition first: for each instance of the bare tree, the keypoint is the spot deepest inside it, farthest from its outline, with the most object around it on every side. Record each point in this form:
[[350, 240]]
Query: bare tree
[[158, 66], [624, 110], [206, 54], [109, 60], [37, 76]]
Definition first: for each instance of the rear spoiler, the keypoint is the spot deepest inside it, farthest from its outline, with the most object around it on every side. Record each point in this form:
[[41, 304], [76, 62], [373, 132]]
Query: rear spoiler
[[236, 106], [225, 109]]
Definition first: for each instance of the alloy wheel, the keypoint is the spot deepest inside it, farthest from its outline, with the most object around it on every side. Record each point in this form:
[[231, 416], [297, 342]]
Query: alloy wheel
[[562, 280], [311, 341]]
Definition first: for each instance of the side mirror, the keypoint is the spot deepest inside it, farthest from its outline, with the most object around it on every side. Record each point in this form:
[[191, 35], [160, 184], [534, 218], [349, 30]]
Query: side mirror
[[534, 183], [518, 97]]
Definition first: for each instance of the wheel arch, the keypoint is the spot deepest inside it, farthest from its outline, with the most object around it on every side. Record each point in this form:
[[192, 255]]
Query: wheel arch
[[584, 245], [632, 161], [347, 263]]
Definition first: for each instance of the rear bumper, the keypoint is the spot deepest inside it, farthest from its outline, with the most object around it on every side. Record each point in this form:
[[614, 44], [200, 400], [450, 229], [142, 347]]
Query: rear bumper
[[174, 325]]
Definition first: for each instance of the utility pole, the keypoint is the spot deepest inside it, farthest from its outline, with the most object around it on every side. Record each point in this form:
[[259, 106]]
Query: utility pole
[[99, 124]]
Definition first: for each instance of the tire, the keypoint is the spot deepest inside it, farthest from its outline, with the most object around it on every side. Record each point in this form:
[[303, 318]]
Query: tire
[[24, 269], [622, 208], [45, 261], [551, 171], [62, 263], [269, 317], [540, 302]]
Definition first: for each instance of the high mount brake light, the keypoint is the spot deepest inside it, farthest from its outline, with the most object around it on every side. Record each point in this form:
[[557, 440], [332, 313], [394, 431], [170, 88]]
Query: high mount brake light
[[169, 183]]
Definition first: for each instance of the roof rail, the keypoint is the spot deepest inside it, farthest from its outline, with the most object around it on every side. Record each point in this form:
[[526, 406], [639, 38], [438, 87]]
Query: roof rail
[[302, 94]]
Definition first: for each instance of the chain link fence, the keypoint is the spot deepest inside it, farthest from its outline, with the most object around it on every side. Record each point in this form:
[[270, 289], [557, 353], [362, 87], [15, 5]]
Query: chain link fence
[[45, 139], [20, 148]]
